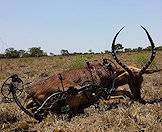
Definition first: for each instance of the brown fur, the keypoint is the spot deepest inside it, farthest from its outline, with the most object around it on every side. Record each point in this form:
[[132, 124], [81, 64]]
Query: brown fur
[[74, 78]]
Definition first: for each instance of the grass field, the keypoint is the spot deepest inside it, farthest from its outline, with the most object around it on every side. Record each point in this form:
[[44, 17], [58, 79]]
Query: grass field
[[114, 115]]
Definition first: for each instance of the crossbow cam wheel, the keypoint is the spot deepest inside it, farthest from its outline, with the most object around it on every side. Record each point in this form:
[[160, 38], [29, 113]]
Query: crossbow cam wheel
[[6, 87]]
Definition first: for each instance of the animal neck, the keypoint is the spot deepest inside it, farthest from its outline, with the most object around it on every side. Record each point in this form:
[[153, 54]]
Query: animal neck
[[135, 82]]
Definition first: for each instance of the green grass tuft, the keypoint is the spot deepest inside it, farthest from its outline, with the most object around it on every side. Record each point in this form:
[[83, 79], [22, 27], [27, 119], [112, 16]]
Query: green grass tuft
[[140, 59], [77, 62]]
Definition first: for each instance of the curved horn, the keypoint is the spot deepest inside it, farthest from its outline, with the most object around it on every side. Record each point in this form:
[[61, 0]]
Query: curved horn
[[115, 56], [153, 53]]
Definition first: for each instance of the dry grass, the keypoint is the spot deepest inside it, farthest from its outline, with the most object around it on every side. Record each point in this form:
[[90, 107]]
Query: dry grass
[[113, 115]]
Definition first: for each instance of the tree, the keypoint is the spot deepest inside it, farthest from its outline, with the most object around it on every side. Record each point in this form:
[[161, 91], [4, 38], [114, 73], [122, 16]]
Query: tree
[[36, 52], [135, 50], [52, 54], [64, 52], [90, 51], [21, 53], [2, 56], [127, 49], [11, 53], [118, 47], [139, 49], [148, 48], [106, 51]]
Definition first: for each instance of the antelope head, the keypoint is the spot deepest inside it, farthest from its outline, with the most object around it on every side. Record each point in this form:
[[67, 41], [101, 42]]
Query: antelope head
[[135, 76]]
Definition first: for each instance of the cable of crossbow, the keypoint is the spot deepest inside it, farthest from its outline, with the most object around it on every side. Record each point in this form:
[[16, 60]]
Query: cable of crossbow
[[46, 102], [20, 105], [9, 91]]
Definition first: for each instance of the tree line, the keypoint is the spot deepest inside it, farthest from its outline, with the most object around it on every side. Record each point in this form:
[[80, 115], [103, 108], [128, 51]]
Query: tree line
[[120, 48], [31, 52], [38, 52]]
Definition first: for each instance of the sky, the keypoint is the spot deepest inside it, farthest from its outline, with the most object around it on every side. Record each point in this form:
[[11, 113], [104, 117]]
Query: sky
[[78, 25]]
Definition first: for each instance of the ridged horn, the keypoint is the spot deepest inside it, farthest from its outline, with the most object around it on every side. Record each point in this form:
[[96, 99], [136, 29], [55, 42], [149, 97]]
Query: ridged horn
[[115, 56], [153, 53]]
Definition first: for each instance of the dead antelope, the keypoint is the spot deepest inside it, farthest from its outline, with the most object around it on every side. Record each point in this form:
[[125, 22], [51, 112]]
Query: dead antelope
[[99, 74]]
